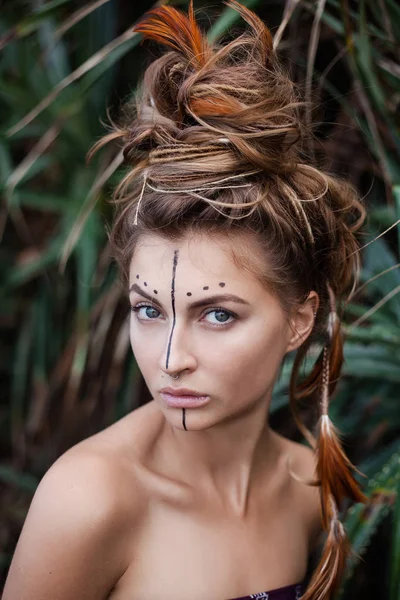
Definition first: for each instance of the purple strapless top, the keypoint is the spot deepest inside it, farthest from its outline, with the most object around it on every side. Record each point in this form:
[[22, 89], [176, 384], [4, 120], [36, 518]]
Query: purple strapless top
[[289, 592]]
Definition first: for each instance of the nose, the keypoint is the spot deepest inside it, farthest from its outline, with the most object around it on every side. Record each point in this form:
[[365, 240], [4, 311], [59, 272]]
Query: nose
[[178, 353]]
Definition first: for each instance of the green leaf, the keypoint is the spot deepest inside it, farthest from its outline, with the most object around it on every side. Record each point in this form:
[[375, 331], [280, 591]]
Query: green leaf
[[5, 163], [108, 61], [43, 202], [382, 356], [396, 195], [364, 58], [21, 274], [32, 22], [228, 17], [20, 375], [375, 461], [24, 481], [362, 521], [395, 542], [378, 258], [375, 334]]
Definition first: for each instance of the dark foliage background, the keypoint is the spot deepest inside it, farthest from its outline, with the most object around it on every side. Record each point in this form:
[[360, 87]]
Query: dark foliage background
[[67, 369]]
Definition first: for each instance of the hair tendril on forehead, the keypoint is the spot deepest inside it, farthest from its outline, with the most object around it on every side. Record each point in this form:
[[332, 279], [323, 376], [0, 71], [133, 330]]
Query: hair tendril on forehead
[[212, 183], [145, 172], [210, 186], [200, 189]]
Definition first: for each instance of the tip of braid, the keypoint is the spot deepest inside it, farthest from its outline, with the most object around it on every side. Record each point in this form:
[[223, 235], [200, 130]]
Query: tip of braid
[[334, 469], [327, 576]]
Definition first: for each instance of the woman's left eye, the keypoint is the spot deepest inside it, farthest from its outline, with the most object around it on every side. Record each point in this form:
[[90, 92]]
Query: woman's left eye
[[220, 316]]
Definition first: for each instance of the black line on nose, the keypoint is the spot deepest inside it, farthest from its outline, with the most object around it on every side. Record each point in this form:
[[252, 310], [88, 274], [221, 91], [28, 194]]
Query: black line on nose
[[174, 264]]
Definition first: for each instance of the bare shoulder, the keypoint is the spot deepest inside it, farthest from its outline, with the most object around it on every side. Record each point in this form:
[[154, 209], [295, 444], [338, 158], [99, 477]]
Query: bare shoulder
[[75, 539], [304, 460], [303, 464], [92, 470], [131, 438]]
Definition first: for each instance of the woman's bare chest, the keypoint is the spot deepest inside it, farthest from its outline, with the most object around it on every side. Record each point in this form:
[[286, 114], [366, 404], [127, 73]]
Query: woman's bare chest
[[180, 554]]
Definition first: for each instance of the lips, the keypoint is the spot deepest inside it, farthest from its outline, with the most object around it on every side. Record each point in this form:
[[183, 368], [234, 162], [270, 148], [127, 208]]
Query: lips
[[180, 392], [183, 398]]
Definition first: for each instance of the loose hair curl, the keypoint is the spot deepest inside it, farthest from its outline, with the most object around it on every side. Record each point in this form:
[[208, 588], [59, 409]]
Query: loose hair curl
[[214, 141]]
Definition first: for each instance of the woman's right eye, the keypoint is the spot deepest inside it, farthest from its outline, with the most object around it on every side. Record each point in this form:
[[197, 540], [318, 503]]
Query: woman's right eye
[[149, 313]]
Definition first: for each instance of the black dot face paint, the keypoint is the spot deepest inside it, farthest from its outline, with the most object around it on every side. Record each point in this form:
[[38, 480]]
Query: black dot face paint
[[137, 276], [144, 283], [205, 287], [188, 293], [155, 291], [221, 284], [174, 265]]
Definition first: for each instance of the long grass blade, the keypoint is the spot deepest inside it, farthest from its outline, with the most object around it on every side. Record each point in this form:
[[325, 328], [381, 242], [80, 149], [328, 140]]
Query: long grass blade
[[290, 7], [31, 23], [87, 66], [227, 18], [376, 307], [87, 208], [31, 158], [76, 17], [312, 51]]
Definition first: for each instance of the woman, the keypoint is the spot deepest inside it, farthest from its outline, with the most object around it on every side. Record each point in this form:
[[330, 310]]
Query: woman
[[235, 249]]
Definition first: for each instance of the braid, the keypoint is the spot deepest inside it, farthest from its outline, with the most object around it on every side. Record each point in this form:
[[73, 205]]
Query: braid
[[333, 466]]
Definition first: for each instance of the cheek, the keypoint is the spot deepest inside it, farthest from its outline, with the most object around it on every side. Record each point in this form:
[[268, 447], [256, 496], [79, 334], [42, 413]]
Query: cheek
[[250, 357], [145, 347]]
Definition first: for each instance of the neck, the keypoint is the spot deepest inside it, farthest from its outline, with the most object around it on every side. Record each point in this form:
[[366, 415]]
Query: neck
[[228, 460]]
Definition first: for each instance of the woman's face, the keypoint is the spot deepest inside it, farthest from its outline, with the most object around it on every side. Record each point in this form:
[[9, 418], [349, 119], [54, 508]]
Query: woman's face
[[196, 314]]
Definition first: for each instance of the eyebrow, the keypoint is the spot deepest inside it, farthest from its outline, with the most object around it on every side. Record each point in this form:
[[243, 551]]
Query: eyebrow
[[199, 303]]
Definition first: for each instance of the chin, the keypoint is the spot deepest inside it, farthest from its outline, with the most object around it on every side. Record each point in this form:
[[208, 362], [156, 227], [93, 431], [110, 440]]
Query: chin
[[195, 419]]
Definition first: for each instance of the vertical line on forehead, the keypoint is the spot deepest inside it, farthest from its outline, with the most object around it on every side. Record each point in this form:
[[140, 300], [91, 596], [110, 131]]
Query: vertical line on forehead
[[174, 264]]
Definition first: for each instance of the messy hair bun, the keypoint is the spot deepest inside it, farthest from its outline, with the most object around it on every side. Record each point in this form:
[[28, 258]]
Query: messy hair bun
[[215, 141]]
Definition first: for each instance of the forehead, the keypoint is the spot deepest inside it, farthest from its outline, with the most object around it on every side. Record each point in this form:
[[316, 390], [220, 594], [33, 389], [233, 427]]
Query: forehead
[[200, 256]]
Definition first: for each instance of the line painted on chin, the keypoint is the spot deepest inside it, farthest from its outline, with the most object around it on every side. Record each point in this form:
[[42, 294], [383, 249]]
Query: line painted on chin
[[184, 418]]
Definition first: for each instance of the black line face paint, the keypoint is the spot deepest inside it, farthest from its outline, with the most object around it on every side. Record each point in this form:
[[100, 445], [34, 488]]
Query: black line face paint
[[174, 265], [184, 418]]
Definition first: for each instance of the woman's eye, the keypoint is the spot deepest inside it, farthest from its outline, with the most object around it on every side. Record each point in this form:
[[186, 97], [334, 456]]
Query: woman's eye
[[217, 316], [146, 312], [220, 316]]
